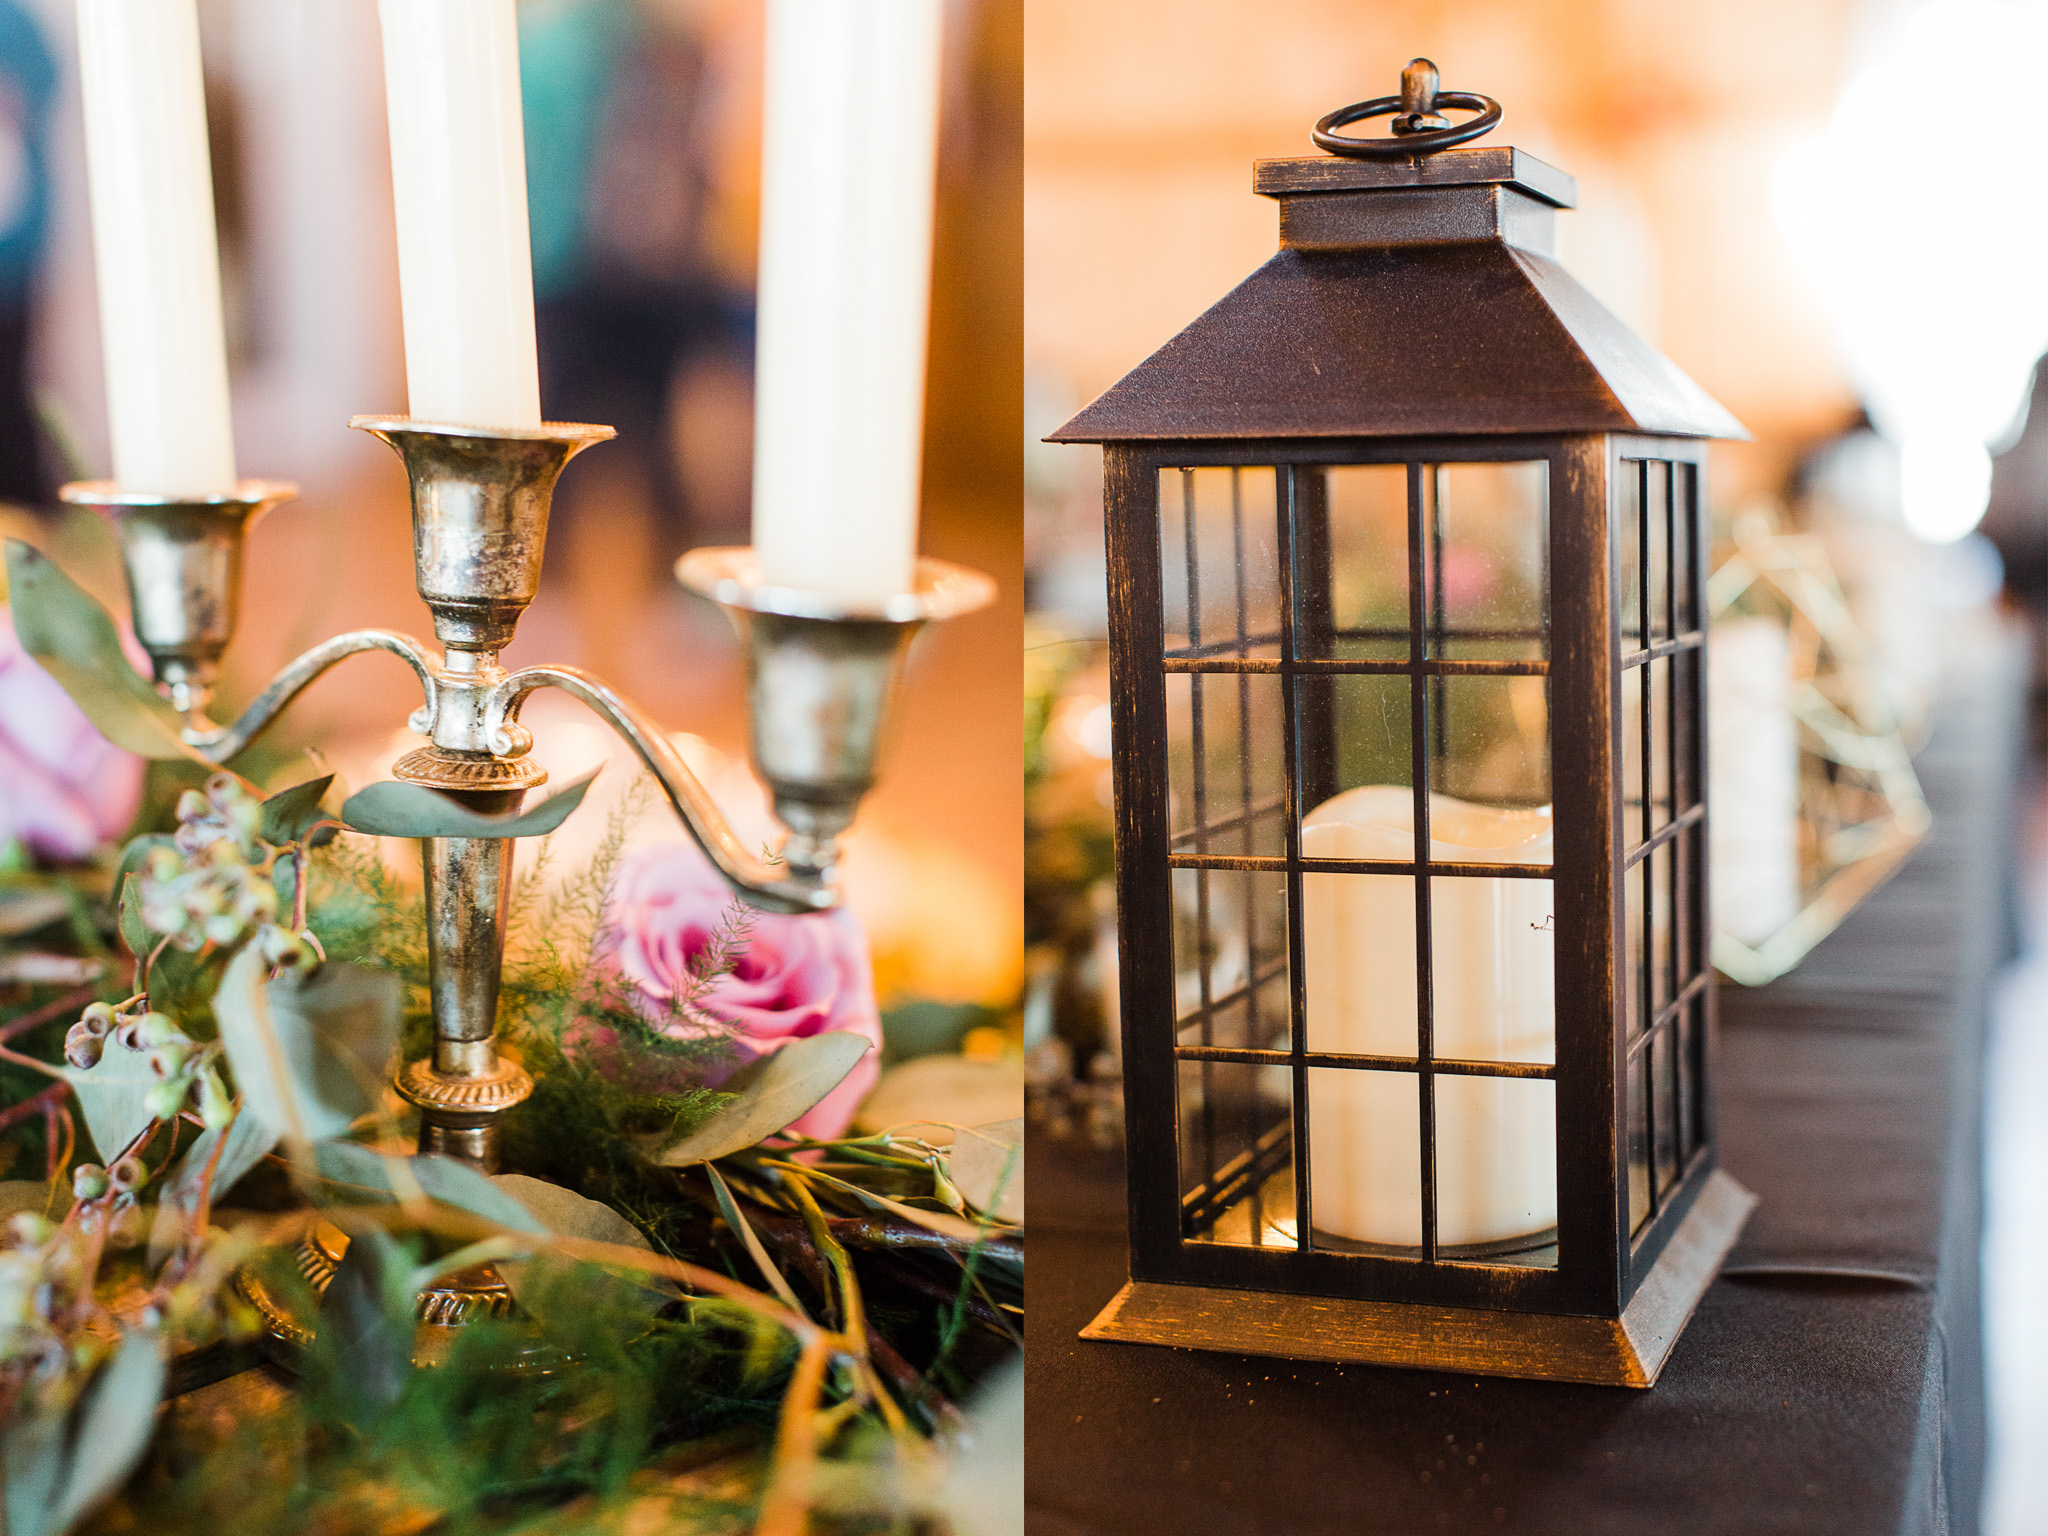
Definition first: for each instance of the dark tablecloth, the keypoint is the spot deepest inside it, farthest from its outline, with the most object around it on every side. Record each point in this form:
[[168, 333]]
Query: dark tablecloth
[[1832, 1378]]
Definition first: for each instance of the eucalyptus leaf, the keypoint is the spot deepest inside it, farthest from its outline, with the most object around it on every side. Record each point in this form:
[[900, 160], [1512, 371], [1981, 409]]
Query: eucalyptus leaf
[[537, 1282], [114, 1093], [60, 1463], [440, 1178], [768, 1094], [366, 1323], [756, 1250], [33, 1457], [247, 1139], [134, 932], [284, 879], [308, 1052], [64, 627], [288, 813], [987, 1166], [392, 809]]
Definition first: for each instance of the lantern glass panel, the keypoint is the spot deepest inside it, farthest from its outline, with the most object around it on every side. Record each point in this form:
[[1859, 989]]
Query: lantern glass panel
[[1630, 708], [1230, 958], [1685, 907], [1628, 591], [1358, 952], [1352, 527], [1365, 1172], [1664, 1106], [1638, 1139], [1236, 1154], [1690, 1043], [1685, 744], [1685, 572], [1661, 891], [1657, 727], [1353, 730], [1219, 562], [1496, 1170], [1490, 740], [1485, 561], [1635, 952], [1226, 762], [1657, 548]]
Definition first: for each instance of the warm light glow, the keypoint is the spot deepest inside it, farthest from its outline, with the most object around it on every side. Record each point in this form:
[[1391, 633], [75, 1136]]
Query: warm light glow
[[1927, 259]]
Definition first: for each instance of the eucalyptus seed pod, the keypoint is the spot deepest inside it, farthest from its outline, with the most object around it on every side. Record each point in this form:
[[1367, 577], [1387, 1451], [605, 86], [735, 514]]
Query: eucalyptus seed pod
[[82, 1047], [88, 1181], [257, 902], [127, 1175], [193, 806], [167, 1098], [129, 1035], [283, 949], [158, 1028], [216, 1109], [98, 1018]]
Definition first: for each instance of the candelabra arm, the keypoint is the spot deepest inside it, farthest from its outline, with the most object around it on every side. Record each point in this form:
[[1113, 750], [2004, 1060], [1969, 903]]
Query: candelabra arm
[[218, 743], [765, 883]]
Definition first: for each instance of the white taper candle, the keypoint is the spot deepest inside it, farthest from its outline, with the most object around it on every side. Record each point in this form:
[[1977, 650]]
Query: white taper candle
[[849, 152], [151, 192], [458, 176]]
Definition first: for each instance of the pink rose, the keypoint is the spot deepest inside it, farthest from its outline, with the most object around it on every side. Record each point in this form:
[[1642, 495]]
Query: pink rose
[[798, 976], [64, 788]]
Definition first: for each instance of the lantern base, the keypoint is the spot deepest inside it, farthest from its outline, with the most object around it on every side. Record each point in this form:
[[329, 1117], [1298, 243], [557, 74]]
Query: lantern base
[[1627, 1351]]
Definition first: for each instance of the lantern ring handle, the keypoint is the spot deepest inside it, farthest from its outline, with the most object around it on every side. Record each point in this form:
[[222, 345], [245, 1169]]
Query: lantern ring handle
[[1405, 146]]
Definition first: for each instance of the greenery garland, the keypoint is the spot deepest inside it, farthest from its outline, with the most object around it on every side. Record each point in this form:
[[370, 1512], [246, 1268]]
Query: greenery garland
[[765, 1336]]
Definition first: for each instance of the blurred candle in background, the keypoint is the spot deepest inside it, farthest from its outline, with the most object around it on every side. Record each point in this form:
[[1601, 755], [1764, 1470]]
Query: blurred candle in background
[[151, 190], [1753, 764], [1495, 1000], [848, 159], [458, 178]]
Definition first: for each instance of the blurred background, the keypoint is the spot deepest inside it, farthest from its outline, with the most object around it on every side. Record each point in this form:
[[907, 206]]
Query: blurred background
[[643, 139], [1783, 197]]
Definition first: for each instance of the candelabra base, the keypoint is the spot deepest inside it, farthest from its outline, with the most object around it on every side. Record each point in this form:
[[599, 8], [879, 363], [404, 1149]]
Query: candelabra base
[[460, 1111], [444, 1309]]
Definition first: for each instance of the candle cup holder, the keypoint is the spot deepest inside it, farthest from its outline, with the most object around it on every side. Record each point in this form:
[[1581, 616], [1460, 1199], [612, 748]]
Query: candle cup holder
[[183, 559], [821, 676]]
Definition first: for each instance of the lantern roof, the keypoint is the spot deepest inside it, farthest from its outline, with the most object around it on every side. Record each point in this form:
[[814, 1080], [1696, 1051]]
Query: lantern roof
[[1418, 296]]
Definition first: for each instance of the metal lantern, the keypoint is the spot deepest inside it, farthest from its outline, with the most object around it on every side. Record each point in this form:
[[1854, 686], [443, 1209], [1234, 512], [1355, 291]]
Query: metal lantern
[[1406, 546]]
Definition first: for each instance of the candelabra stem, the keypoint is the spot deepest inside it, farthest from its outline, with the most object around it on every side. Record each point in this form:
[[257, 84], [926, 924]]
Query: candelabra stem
[[465, 1087]]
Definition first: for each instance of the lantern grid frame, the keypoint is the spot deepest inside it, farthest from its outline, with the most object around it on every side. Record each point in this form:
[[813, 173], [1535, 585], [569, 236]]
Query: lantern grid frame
[[1603, 1252]]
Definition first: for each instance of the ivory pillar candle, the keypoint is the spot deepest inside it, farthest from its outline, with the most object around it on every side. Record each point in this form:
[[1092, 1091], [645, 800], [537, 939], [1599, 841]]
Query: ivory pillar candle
[[458, 179], [151, 191], [848, 157], [1753, 765], [1495, 1000]]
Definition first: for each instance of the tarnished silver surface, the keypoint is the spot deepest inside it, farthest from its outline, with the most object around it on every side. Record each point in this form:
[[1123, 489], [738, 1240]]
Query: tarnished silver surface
[[218, 743], [773, 885], [821, 673], [183, 560], [480, 501]]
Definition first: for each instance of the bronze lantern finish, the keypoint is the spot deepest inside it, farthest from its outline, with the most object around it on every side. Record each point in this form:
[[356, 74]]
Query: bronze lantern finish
[[1409, 526]]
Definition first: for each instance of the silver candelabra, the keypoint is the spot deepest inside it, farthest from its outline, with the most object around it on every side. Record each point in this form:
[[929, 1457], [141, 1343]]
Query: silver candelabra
[[820, 675]]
